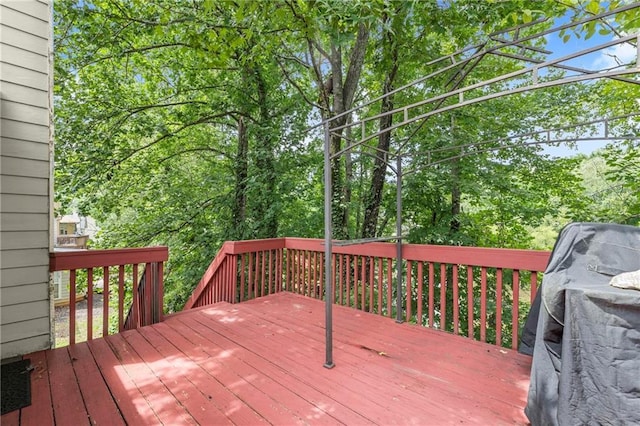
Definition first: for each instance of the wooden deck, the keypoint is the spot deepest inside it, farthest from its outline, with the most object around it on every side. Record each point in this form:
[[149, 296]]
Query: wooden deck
[[261, 362]]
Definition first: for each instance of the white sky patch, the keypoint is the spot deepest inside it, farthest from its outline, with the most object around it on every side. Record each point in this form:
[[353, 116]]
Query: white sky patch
[[617, 55]]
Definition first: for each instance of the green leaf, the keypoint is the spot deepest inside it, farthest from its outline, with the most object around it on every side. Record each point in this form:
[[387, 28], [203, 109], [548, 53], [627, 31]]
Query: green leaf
[[593, 7]]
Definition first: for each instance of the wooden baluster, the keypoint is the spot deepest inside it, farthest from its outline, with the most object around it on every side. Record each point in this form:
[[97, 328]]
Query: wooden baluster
[[389, 286], [272, 284], [160, 288], [90, 304], [470, 301], [250, 281], [363, 279], [356, 282], [242, 276], [483, 304], [313, 258], [148, 305], [72, 307], [340, 279], [443, 296], [499, 307], [380, 286], [456, 302], [288, 266], [431, 293], [409, 290], [264, 278], [347, 265], [371, 282], [420, 302], [135, 298], [121, 298], [105, 301]]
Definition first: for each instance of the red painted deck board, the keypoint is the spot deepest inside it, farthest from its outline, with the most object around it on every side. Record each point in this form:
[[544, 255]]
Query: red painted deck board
[[262, 362]]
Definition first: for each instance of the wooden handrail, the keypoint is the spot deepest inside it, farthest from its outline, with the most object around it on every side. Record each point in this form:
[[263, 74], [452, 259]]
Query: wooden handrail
[[147, 288], [474, 256], [80, 259]]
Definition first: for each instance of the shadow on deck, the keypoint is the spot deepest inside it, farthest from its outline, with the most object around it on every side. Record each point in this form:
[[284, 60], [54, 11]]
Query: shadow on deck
[[261, 362]]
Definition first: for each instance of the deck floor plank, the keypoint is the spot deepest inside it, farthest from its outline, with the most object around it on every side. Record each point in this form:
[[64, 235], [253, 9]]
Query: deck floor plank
[[317, 406], [129, 399], [435, 363], [100, 405], [273, 410], [40, 393], [191, 357], [202, 409], [387, 386], [385, 397], [296, 404], [406, 344], [274, 368], [298, 368], [68, 405], [163, 403], [262, 362]]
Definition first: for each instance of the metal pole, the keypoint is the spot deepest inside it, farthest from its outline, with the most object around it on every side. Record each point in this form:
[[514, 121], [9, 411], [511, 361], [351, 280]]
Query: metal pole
[[399, 240], [328, 281]]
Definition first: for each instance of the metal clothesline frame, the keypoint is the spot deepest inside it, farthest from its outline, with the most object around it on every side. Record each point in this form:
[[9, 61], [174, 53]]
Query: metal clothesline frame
[[481, 50]]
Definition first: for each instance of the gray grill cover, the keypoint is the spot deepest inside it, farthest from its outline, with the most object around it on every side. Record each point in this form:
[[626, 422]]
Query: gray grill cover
[[586, 356]]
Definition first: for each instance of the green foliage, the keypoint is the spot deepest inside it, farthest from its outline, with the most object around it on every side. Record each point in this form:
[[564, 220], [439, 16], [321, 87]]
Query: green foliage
[[186, 124]]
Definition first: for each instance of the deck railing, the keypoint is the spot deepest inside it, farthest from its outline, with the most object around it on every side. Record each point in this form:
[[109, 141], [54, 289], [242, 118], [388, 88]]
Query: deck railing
[[482, 293], [120, 271]]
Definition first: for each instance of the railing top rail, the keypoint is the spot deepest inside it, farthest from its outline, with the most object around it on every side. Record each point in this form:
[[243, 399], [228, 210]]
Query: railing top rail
[[248, 246], [67, 260], [531, 260]]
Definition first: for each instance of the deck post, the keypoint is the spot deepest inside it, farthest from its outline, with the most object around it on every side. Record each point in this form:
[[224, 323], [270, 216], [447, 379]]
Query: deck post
[[399, 240], [328, 283]]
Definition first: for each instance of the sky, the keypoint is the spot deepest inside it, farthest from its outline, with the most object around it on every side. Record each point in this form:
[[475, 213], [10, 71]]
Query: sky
[[603, 59]]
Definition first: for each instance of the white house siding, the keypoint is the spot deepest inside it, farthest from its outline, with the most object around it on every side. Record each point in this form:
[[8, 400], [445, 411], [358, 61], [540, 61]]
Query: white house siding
[[25, 176]]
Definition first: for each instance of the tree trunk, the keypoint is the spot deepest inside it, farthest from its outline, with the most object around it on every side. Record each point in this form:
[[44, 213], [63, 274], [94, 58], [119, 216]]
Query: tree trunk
[[241, 168], [266, 213], [374, 196], [343, 96], [454, 224]]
